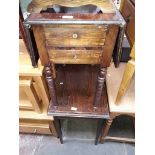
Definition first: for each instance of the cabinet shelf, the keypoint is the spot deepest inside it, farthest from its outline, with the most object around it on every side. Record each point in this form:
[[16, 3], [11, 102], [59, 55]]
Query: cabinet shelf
[[75, 89]]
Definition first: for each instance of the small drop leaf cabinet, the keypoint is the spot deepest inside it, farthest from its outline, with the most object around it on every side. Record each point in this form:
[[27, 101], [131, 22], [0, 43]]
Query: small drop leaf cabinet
[[75, 40]]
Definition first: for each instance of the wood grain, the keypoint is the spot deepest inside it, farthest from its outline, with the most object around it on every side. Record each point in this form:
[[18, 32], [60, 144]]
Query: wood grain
[[24, 102], [35, 129], [32, 95], [25, 65], [132, 54], [49, 17], [109, 45], [75, 56], [37, 126], [63, 35], [127, 102], [127, 76], [42, 90], [75, 87], [38, 33], [99, 86], [128, 12], [105, 130], [51, 84]]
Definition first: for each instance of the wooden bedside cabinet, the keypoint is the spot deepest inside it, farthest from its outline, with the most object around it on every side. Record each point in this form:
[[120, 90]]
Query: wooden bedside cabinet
[[75, 42], [33, 97]]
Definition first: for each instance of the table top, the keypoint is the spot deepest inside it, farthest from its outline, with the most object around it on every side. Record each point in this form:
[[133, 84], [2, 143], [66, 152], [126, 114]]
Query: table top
[[113, 81], [75, 18]]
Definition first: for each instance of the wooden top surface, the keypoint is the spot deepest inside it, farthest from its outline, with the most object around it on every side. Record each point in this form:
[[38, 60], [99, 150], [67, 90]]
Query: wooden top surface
[[106, 6], [71, 18], [113, 81], [25, 65]]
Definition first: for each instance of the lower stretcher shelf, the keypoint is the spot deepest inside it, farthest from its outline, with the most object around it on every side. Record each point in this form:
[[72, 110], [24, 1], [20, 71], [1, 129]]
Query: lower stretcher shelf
[[75, 90]]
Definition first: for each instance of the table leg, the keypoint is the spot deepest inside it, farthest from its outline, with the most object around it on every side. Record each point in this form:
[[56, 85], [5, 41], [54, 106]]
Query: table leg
[[98, 131], [58, 128], [51, 84], [106, 130], [99, 87]]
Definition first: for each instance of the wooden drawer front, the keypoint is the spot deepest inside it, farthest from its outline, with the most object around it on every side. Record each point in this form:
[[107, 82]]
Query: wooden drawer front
[[75, 35], [37, 126], [29, 128], [75, 56], [24, 103], [29, 99], [128, 12]]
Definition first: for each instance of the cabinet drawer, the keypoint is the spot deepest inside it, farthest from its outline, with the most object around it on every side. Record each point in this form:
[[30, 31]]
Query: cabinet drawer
[[29, 128], [75, 35], [37, 126], [28, 99], [128, 12], [76, 55]]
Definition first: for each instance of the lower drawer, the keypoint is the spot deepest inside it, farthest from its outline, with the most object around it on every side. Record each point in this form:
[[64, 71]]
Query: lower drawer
[[74, 56], [37, 126], [25, 128]]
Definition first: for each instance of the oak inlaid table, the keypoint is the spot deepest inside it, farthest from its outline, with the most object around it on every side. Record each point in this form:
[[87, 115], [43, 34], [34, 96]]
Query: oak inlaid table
[[75, 40]]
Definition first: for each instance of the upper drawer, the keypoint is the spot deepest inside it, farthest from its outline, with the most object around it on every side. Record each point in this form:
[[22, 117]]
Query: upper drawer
[[75, 35]]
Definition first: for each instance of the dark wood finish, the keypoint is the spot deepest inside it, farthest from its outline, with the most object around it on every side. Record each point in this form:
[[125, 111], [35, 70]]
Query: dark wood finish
[[118, 46], [75, 89], [76, 38], [39, 38], [106, 129], [51, 84], [99, 87], [107, 126], [57, 124], [31, 45], [114, 21], [128, 12], [58, 18], [72, 55], [98, 131], [109, 45], [21, 27], [74, 35]]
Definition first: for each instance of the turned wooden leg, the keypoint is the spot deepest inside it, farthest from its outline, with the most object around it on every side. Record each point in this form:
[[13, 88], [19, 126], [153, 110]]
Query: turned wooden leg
[[57, 125], [105, 130], [51, 84], [98, 131], [99, 86], [53, 70]]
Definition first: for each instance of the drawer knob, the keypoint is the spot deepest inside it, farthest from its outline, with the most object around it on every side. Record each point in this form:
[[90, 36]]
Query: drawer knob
[[35, 131], [75, 35]]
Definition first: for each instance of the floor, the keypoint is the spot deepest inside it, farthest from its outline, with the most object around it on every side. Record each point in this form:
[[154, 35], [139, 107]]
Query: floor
[[79, 140]]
